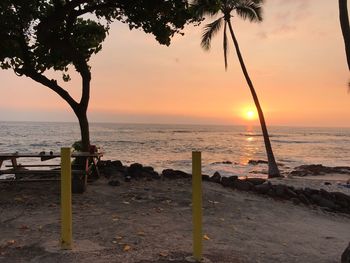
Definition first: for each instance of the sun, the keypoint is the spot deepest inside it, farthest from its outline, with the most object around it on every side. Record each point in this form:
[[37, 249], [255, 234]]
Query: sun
[[250, 115]]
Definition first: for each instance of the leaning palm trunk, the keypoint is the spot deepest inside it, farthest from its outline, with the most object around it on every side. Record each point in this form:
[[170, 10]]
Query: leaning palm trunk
[[273, 168], [344, 24]]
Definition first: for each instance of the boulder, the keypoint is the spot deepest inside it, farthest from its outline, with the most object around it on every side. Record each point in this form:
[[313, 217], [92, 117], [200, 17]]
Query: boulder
[[304, 199], [256, 162], [114, 183], [135, 170], [280, 190], [216, 178], [262, 188], [205, 177], [243, 185], [229, 181], [174, 174], [256, 181]]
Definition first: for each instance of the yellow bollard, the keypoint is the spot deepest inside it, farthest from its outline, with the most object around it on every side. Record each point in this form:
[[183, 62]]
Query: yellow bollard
[[66, 199], [197, 205]]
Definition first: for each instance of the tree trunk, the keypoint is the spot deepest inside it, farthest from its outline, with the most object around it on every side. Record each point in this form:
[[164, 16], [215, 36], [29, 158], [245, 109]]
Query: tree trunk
[[344, 24], [84, 128], [273, 168]]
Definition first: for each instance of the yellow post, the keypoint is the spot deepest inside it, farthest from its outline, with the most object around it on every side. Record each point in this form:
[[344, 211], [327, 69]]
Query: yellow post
[[197, 205], [66, 199]]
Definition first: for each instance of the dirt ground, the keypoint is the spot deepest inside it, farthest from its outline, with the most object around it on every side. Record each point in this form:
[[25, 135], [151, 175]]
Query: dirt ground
[[150, 221]]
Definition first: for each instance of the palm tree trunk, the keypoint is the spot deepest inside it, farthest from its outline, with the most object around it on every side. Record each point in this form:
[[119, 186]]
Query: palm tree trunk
[[273, 168], [344, 24]]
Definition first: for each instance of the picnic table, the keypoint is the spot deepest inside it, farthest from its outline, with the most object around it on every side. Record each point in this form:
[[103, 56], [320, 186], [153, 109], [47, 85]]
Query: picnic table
[[86, 165]]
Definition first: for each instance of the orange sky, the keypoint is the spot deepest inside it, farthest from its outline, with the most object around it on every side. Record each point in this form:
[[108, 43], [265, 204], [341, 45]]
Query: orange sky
[[295, 58]]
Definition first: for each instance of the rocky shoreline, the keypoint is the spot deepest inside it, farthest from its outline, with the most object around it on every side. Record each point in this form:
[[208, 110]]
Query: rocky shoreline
[[329, 201]]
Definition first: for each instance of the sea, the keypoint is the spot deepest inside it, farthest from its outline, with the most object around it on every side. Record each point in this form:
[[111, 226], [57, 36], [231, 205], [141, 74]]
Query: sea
[[226, 149]]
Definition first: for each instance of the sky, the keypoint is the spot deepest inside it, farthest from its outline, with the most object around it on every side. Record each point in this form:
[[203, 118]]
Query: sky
[[295, 58]]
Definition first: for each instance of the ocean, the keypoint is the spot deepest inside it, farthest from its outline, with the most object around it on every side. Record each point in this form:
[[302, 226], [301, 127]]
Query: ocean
[[226, 149]]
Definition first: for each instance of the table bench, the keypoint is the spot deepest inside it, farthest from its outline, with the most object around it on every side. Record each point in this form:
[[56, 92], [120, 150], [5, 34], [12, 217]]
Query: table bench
[[87, 165]]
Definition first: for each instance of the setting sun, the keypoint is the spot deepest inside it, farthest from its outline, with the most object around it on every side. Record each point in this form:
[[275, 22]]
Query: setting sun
[[250, 114]]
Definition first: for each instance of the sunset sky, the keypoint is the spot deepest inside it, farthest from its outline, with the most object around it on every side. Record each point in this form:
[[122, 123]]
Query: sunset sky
[[295, 58]]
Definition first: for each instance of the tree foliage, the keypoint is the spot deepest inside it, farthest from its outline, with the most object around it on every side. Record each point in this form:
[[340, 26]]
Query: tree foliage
[[41, 35], [38, 35]]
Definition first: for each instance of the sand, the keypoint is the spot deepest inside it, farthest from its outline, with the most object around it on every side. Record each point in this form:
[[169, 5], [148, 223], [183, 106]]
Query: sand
[[150, 221]]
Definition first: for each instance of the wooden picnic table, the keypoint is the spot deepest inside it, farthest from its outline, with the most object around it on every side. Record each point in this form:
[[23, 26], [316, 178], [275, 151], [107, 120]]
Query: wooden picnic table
[[87, 164]]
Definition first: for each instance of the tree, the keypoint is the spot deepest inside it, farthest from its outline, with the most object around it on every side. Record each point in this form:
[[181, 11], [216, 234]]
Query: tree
[[42, 35], [245, 9], [344, 24]]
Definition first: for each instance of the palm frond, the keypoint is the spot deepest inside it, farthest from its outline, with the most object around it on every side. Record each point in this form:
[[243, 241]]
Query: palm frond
[[209, 31], [250, 9], [225, 45], [202, 8]]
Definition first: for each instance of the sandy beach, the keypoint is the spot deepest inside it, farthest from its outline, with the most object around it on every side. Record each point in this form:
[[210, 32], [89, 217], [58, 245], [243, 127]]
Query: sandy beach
[[150, 221]]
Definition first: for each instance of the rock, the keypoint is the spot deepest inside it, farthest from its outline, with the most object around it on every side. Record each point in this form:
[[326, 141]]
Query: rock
[[341, 199], [127, 178], [114, 183], [148, 169], [174, 174], [228, 181], [345, 257], [216, 178], [319, 169], [243, 185], [256, 162], [327, 183], [135, 170], [323, 202], [117, 164], [256, 181], [295, 201], [291, 194], [280, 190], [205, 177], [262, 188], [304, 199]]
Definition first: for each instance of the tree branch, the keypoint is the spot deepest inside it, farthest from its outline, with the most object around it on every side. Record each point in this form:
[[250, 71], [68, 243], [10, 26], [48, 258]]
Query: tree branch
[[52, 84]]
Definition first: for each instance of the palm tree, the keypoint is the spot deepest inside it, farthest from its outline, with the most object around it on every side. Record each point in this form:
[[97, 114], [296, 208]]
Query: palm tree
[[246, 9], [344, 24]]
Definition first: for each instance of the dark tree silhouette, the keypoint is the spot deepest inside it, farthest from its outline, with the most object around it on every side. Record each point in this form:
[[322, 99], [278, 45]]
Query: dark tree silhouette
[[245, 9], [41, 35], [345, 28]]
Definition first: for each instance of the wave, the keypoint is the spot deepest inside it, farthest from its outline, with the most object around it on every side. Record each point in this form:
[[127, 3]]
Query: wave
[[295, 141]]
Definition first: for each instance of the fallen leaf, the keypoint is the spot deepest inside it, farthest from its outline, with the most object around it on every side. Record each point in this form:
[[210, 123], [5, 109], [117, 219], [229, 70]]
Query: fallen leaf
[[206, 237], [114, 241], [10, 242], [125, 202], [163, 254], [24, 227], [18, 199], [126, 248], [118, 238], [141, 233]]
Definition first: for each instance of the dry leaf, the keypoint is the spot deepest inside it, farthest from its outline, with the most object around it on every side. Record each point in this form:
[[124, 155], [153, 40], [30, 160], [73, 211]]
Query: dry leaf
[[125, 202], [118, 238], [126, 248], [18, 199], [163, 254], [11, 242], [206, 237], [141, 233]]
